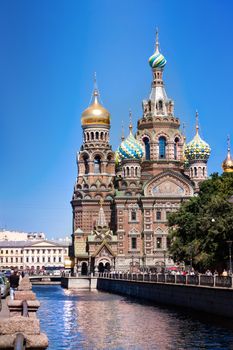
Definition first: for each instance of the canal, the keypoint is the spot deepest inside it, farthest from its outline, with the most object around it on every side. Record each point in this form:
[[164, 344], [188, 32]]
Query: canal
[[96, 320]]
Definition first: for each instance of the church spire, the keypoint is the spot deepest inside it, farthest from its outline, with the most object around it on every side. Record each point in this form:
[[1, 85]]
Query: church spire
[[197, 125], [157, 40], [227, 165]]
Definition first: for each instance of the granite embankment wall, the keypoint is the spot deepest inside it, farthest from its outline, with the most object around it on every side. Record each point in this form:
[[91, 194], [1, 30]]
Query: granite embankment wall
[[218, 301]]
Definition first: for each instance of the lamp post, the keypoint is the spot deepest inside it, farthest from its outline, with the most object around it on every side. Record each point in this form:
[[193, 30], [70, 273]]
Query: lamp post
[[230, 264], [132, 263], [164, 259]]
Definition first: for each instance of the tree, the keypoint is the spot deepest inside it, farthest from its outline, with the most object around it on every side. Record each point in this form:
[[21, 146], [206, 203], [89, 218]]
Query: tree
[[200, 229]]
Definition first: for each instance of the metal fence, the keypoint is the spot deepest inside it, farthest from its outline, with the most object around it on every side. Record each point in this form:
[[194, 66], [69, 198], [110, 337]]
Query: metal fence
[[196, 280]]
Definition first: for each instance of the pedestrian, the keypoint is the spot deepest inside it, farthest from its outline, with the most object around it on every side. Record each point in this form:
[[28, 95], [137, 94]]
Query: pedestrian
[[14, 283]]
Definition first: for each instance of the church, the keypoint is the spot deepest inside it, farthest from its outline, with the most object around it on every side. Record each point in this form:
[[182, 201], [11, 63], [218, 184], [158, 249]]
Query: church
[[122, 198]]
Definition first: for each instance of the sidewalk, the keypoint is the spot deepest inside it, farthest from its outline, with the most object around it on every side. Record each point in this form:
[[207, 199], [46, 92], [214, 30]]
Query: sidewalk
[[5, 311]]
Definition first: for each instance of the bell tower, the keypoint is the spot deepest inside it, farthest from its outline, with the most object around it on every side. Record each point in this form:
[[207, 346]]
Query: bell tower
[[159, 129], [96, 169]]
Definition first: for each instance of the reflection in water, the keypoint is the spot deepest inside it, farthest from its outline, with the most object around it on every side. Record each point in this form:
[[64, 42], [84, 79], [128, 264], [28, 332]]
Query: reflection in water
[[96, 320]]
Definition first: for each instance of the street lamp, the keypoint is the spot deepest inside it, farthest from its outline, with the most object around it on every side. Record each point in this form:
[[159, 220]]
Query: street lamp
[[164, 259], [132, 262], [230, 264]]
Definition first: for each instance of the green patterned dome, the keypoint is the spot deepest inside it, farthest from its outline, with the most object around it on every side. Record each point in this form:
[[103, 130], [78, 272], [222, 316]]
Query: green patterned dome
[[130, 148], [197, 149]]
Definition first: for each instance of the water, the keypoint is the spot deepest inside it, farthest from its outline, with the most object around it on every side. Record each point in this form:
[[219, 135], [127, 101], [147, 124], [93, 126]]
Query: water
[[96, 320]]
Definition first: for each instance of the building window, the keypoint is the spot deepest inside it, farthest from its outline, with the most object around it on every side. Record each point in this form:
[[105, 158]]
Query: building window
[[38, 259], [147, 147], [86, 165], [27, 259], [134, 243], [16, 259], [1, 251], [32, 259], [6, 251], [11, 259], [43, 251], [176, 147], [97, 165], [159, 243], [158, 215], [54, 259], [133, 215], [11, 251], [43, 259], [162, 147], [59, 259]]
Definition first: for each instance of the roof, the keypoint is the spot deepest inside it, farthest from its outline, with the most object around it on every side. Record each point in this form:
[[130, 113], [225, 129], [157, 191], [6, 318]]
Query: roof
[[36, 243]]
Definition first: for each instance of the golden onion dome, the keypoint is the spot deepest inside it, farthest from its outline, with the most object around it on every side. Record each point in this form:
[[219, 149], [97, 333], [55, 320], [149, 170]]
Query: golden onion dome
[[95, 114], [227, 164]]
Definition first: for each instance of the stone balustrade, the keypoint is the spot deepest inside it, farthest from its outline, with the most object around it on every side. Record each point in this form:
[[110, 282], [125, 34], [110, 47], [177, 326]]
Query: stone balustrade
[[28, 325]]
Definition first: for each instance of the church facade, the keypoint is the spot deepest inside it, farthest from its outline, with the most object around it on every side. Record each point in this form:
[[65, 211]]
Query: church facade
[[122, 199]]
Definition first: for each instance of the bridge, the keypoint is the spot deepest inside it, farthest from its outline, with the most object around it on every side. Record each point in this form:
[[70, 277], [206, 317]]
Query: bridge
[[45, 279]]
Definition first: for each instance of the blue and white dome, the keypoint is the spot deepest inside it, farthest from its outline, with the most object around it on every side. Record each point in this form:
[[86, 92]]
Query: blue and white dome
[[130, 148]]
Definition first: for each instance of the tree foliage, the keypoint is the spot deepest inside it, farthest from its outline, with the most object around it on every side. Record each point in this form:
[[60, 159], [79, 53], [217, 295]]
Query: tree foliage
[[200, 229]]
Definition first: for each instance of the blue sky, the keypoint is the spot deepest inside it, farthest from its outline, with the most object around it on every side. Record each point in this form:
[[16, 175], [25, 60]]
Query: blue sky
[[49, 53]]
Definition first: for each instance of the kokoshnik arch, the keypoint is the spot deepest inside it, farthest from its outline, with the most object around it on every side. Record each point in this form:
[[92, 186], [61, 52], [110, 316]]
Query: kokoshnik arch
[[122, 199]]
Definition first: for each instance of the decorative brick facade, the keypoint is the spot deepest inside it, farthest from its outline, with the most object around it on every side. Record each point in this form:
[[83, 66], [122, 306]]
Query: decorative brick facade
[[136, 187]]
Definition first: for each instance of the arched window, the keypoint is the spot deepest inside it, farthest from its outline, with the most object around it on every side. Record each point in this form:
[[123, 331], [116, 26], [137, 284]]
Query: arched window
[[87, 136], [97, 135], [133, 215], [147, 147], [97, 165], [132, 172], [176, 141], [127, 171], [136, 171], [203, 171], [160, 105], [195, 171], [86, 165], [92, 135], [162, 147]]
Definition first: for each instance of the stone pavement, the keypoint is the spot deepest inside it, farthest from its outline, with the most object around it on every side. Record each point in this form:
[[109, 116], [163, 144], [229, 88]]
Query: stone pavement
[[5, 311]]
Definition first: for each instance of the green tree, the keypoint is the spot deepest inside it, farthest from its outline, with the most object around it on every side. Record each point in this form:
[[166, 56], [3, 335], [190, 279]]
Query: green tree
[[200, 229]]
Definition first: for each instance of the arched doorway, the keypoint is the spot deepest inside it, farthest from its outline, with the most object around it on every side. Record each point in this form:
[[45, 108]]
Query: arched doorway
[[104, 265], [101, 267], [84, 268]]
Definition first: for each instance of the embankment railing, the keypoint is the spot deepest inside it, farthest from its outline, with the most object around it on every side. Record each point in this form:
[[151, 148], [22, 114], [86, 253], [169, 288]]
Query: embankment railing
[[197, 280]]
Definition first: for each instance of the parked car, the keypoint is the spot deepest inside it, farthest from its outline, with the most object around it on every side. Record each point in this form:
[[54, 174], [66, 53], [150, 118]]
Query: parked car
[[4, 286]]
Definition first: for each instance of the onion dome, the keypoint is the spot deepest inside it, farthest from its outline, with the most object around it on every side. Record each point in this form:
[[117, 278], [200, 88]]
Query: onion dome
[[157, 60], [227, 164], [197, 149], [95, 114], [130, 148]]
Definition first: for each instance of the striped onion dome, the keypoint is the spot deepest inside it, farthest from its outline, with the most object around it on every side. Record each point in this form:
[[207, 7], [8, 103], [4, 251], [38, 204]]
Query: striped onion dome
[[157, 60], [197, 149], [130, 148]]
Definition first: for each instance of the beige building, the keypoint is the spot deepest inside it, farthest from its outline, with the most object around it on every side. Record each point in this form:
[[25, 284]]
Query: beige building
[[33, 254]]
